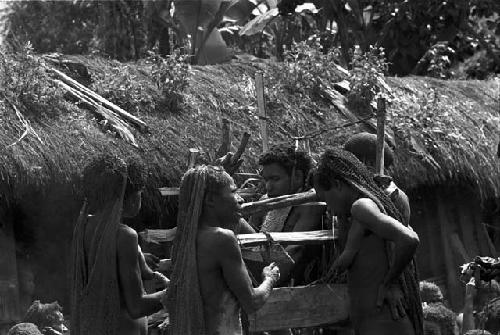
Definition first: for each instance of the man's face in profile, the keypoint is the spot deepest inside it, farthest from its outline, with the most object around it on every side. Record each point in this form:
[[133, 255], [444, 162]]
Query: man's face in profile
[[227, 204]]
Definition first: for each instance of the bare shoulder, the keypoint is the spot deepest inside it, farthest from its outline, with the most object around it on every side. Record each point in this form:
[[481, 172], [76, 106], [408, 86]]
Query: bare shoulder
[[126, 236], [364, 209]]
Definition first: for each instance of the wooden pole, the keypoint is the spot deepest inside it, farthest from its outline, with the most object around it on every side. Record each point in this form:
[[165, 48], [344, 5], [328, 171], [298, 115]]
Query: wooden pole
[[259, 90], [193, 154], [380, 136], [265, 205], [225, 146], [94, 96], [242, 147]]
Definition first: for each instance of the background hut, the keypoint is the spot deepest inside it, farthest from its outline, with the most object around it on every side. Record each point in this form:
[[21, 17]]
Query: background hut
[[445, 135]]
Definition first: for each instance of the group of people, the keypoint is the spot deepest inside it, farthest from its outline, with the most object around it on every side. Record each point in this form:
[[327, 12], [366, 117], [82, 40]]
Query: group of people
[[209, 283]]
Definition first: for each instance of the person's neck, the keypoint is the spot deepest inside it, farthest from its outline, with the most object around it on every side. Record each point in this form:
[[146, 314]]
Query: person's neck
[[207, 221], [351, 199]]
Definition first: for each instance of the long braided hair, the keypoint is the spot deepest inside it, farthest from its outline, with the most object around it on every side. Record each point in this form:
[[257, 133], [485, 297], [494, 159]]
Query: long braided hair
[[343, 165], [184, 296]]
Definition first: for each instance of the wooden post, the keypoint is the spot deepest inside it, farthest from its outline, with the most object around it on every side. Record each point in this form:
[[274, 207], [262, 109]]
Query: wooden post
[[225, 146], [380, 136], [193, 154], [259, 90]]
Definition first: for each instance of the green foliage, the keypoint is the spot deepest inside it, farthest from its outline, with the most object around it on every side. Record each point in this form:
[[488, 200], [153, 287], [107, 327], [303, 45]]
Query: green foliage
[[52, 26], [305, 67], [367, 79], [170, 73], [23, 80]]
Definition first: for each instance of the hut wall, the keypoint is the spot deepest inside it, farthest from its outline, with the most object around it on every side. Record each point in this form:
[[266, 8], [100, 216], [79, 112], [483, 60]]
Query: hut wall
[[9, 287], [44, 233], [448, 222]]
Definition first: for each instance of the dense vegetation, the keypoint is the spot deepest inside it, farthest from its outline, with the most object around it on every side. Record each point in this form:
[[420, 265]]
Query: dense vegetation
[[445, 39]]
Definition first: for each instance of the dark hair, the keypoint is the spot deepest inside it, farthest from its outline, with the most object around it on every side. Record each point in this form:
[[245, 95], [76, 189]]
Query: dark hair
[[42, 315], [442, 315], [430, 292], [103, 180], [342, 165], [364, 146], [286, 157], [136, 177]]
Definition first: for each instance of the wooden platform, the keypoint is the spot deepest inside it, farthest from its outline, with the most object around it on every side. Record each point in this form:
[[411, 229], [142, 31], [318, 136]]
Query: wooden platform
[[302, 306]]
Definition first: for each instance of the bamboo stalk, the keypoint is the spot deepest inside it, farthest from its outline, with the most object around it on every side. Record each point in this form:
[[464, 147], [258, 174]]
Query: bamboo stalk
[[96, 97]]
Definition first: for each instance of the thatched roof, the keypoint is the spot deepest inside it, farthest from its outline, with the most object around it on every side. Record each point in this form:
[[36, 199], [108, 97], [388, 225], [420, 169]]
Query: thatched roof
[[455, 136]]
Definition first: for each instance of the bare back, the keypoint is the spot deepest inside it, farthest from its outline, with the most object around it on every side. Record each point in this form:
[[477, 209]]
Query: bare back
[[220, 306], [126, 324]]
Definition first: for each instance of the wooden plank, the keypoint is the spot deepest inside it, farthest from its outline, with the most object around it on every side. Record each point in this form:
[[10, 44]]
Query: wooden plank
[[295, 238], [9, 287], [248, 240], [261, 103], [158, 235], [302, 306]]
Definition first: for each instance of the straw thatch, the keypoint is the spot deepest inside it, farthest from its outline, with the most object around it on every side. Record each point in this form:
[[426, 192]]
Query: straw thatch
[[445, 131]]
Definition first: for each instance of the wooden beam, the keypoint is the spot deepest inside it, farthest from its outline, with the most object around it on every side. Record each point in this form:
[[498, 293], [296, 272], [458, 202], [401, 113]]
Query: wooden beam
[[295, 238], [261, 103], [302, 306], [279, 202], [96, 97], [247, 240]]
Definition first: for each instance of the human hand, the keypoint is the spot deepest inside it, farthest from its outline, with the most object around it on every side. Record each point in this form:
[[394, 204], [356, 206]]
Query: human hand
[[161, 279], [151, 260], [395, 300], [271, 271], [470, 288]]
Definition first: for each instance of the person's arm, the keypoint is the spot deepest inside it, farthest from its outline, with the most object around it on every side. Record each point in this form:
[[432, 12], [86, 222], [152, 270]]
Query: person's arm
[[405, 240], [146, 272], [351, 248], [137, 303], [307, 218], [236, 276], [468, 315]]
